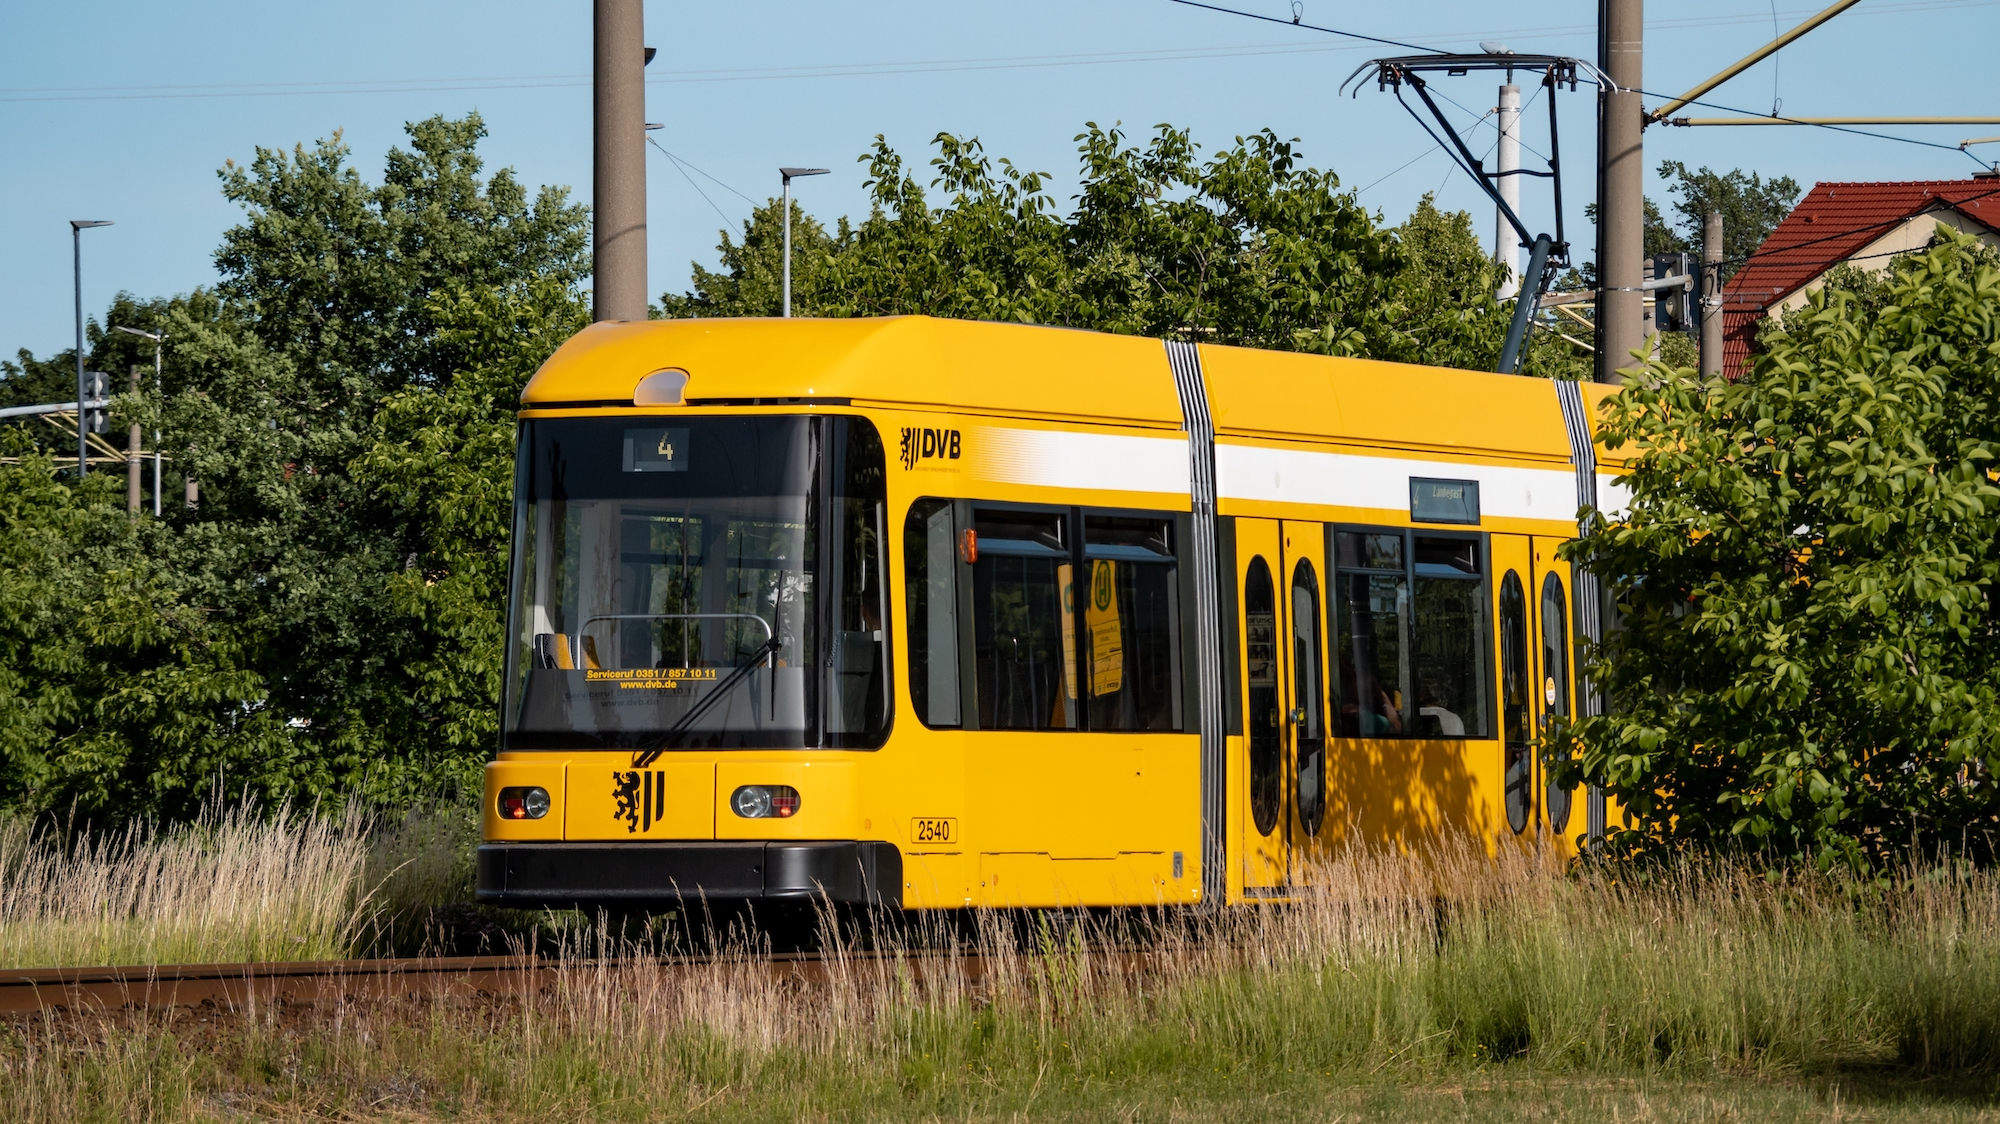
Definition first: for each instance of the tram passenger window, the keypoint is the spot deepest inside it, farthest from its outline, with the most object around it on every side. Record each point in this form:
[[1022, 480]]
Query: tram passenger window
[[857, 687], [1024, 627], [929, 553], [1131, 659], [1448, 657], [1372, 609], [1411, 636]]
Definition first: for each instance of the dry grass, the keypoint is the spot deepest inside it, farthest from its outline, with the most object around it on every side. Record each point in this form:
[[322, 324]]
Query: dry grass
[[1397, 987], [233, 886]]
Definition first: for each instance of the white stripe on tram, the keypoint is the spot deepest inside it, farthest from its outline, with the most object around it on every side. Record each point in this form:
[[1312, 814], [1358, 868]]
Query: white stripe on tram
[[1251, 472], [1057, 459]]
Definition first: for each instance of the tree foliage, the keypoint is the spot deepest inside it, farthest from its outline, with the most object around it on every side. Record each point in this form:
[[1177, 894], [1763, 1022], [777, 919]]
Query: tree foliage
[[1248, 246], [442, 460], [1751, 207], [326, 621], [117, 689], [1806, 576]]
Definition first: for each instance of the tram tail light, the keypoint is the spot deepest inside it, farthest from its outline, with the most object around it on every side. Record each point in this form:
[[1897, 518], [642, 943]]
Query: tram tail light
[[530, 803], [765, 801]]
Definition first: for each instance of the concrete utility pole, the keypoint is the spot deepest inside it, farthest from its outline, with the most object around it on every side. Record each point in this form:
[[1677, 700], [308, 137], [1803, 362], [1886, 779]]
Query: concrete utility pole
[[133, 460], [1621, 185], [618, 186], [159, 343], [1506, 241], [1711, 294]]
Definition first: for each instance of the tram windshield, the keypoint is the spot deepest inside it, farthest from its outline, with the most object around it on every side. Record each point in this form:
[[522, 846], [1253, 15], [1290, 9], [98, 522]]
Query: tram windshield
[[697, 582]]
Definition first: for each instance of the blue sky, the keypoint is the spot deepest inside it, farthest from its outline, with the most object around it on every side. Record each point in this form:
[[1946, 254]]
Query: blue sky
[[124, 110]]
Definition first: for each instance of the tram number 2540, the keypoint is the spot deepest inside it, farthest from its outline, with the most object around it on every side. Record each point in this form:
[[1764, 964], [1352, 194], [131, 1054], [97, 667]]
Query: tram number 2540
[[925, 829]]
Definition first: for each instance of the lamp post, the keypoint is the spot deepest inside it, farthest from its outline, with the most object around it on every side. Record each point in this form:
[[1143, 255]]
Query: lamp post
[[76, 229], [788, 173], [159, 341]]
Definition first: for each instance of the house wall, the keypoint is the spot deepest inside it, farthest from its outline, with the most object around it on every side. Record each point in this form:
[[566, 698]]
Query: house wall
[[1913, 235]]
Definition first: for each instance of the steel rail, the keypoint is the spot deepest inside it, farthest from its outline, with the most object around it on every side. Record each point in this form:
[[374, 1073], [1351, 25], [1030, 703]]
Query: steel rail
[[247, 986], [242, 985]]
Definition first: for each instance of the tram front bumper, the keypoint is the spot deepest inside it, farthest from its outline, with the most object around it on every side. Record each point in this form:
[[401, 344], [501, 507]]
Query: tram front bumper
[[565, 875]]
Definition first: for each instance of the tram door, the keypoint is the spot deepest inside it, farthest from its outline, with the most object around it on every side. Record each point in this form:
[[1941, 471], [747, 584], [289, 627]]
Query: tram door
[[1532, 608], [1281, 794]]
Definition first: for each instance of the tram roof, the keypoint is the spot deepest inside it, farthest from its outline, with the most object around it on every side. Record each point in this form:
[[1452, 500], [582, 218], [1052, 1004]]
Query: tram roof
[[1029, 371], [912, 361]]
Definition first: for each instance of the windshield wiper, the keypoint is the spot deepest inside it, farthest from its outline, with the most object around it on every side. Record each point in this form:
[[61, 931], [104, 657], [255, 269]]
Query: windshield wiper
[[765, 652]]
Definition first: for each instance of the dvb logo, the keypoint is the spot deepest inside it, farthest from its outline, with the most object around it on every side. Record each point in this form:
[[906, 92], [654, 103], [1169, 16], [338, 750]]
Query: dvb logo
[[922, 444]]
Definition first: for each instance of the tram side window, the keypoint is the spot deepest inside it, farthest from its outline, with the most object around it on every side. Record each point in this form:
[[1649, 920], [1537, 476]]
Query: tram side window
[[1024, 627], [1449, 655], [1372, 610], [857, 689], [1411, 636], [1131, 637], [929, 565]]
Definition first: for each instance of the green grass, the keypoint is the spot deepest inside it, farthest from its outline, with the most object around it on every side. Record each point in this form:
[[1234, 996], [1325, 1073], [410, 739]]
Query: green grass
[[1451, 986], [419, 1068]]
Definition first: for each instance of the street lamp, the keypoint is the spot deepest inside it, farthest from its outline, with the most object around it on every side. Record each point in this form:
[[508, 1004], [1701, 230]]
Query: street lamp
[[158, 342], [76, 229], [788, 173]]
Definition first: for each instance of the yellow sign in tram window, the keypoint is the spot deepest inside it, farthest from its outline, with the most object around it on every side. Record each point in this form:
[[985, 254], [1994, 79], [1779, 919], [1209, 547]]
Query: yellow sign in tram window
[[1066, 599], [1107, 637]]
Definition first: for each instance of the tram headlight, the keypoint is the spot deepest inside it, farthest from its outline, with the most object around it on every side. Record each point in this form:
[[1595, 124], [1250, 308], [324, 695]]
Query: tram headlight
[[524, 803], [765, 801]]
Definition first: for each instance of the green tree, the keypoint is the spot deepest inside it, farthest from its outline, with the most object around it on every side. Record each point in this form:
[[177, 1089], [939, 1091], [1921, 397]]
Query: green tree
[[751, 280], [339, 275], [325, 587], [1751, 207], [1658, 236], [442, 458], [26, 380], [1806, 574], [1249, 246], [119, 692], [1444, 308]]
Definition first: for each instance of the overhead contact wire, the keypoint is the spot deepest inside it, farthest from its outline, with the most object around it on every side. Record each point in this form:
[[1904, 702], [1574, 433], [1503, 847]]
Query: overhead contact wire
[[1312, 27], [1637, 90], [690, 181]]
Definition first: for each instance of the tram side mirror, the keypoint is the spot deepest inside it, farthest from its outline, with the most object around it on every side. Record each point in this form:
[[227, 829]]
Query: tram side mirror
[[552, 652]]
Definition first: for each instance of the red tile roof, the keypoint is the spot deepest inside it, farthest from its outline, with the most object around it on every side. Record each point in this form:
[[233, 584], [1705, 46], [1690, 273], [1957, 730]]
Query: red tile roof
[[1831, 224]]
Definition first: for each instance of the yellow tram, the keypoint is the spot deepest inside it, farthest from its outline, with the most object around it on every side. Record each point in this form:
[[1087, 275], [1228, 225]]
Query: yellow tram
[[933, 614]]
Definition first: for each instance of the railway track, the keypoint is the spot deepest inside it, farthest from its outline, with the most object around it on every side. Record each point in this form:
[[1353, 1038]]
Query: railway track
[[243, 985], [249, 985]]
